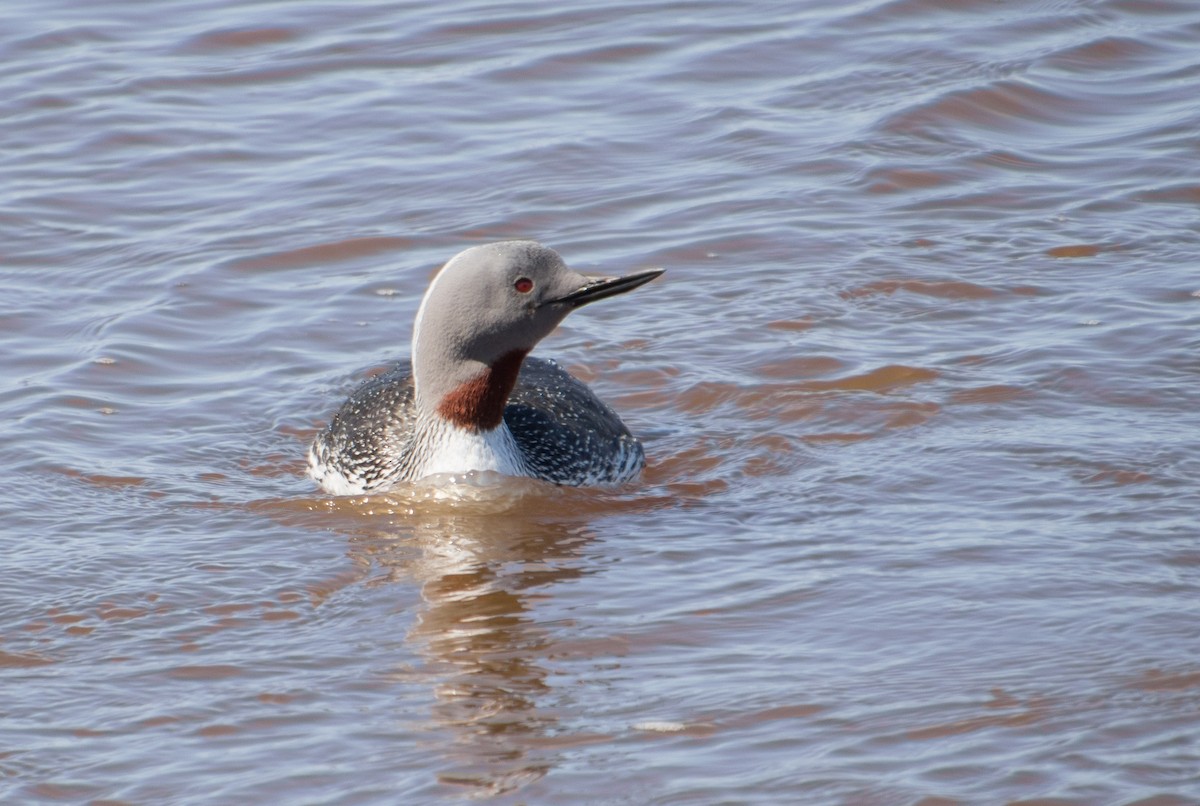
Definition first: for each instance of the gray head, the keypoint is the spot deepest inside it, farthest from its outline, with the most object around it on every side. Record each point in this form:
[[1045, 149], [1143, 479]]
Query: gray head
[[483, 312]]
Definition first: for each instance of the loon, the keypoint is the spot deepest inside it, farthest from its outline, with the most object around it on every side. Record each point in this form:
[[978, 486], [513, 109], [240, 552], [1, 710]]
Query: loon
[[469, 399]]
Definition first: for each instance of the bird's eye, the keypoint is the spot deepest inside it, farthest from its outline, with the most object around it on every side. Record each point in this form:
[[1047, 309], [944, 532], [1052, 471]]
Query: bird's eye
[[524, 285]]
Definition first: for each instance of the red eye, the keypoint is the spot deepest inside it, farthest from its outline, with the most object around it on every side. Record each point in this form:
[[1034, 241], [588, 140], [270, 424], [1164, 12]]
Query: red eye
[[524, 285]]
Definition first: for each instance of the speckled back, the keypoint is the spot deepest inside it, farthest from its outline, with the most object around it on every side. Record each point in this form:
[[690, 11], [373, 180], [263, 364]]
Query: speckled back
[[566, 433]]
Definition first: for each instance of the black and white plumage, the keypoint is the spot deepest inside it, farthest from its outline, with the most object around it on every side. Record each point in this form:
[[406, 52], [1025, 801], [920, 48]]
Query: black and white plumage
[[470, 399], [563, 432]]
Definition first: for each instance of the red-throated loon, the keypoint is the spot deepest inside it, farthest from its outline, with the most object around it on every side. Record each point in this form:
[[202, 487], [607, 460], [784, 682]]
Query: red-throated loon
[[470, 399]]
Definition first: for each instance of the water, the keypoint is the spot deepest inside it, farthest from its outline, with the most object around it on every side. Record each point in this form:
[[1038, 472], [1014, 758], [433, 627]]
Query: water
[[920, 391]]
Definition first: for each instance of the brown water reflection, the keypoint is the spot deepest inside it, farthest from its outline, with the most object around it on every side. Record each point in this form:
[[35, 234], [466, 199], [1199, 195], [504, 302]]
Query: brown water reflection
[[481, 574]]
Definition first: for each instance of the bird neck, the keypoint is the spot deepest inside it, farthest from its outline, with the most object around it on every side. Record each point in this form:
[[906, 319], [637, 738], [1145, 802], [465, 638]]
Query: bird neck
[[477, 403]]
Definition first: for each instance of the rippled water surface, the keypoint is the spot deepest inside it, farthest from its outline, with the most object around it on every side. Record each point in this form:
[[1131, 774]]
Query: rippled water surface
[[920, 391]]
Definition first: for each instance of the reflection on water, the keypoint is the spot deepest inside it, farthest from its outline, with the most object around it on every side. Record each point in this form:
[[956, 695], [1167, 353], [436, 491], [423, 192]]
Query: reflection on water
[[481, 575]]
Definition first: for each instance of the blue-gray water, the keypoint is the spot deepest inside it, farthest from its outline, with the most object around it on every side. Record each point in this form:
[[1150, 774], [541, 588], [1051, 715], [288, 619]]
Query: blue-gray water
[[920, 391]]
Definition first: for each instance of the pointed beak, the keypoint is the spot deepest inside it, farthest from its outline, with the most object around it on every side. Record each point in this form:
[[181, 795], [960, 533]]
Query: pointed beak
[[602, 287]]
